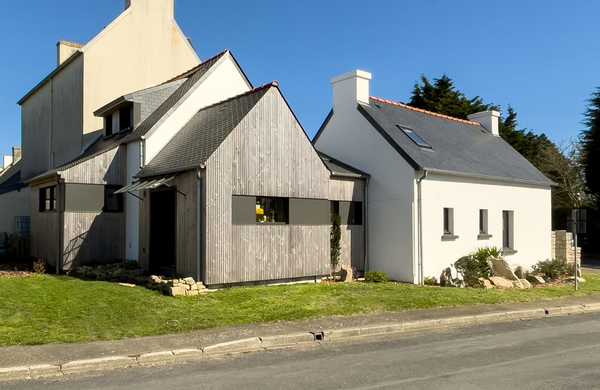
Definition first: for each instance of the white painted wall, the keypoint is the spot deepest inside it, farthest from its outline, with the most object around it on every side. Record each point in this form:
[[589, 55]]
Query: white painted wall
[[532, 220], [132, 205], [13, 204], [391, 196], [224, 81]]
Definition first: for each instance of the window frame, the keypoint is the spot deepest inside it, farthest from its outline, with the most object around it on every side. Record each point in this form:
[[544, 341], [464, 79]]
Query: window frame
[[109, 191], [484, 232], [448, 224], [508, 232], [286, 209], [47, 199]]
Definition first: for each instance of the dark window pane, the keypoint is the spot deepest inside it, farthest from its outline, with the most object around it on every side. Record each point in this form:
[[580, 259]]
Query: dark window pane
[[416, 138], [355, 213], [108, 125], [113, 203], [448, 221], [272, 210], [125, 118]]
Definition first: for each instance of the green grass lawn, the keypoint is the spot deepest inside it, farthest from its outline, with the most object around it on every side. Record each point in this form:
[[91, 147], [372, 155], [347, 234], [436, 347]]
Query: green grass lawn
[[47, 309]]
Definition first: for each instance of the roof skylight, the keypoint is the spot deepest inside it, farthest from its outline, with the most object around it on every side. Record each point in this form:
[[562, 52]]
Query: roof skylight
[[416, 138]]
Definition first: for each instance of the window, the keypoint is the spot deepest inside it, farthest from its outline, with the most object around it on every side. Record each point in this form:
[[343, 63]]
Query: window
[[272, 210], [108, 125], [508, 230], [47, 200], [113, 203], [483, 222], [448, 222], [335, 207], [125, 118], [416, 138], [355, 213]]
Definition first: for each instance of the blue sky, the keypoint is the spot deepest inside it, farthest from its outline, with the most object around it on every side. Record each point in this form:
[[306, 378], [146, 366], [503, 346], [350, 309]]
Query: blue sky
[[542, 57]]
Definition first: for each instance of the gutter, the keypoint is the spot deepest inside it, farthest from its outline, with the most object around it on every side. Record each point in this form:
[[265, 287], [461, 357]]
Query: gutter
[[420, 278]]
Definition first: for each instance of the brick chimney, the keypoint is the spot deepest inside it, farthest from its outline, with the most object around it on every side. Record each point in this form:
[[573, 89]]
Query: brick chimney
[[489, 120], [350, 89]]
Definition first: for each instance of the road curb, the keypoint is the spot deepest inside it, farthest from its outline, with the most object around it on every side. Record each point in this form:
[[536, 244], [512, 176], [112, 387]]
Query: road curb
[[283, 341]]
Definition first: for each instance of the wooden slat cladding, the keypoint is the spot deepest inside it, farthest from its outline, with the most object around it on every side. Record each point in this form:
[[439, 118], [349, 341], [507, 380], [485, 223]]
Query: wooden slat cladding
[[353, 246], [93, 237], [346, 189], [106, 168], [45, 228], [268, 154], [187, 206]]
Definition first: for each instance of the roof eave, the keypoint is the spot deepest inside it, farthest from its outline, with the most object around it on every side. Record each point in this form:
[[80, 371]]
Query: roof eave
[[504, 179], [59, 68]]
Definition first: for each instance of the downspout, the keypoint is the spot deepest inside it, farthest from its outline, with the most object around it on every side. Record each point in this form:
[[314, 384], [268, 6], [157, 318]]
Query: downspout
[[420, 228], [366, 224], [199, 227]]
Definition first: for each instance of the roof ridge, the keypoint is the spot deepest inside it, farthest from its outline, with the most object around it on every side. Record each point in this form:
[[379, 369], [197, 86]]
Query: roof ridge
[[250, 92], [191, 71], [406, 106]]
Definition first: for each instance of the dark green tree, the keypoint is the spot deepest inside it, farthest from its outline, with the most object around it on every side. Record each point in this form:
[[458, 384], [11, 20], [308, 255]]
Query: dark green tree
[[443, 97], [590, 154]]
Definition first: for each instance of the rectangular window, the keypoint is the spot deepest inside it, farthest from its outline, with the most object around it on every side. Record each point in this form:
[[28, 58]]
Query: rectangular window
[[47, 199], [113, 203], [272, 210], [125, 118], [448, 221], [334, 208], [483, 222], [355, 213], [414, 137], [108, 125], [508, 229]]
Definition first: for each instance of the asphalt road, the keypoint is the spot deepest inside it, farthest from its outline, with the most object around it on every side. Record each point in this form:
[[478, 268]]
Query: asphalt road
[[553, 353]]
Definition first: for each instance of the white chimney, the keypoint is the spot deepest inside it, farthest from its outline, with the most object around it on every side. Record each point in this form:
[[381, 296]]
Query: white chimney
[[489, 120], [65, 49], [7, 161], [350, 89]]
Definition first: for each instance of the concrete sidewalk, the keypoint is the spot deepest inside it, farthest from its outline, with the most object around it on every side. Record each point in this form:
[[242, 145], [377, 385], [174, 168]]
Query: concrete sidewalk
[[55, 359]]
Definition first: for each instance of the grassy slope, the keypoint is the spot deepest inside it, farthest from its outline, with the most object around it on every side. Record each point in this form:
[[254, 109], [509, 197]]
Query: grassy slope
[[45, 309]]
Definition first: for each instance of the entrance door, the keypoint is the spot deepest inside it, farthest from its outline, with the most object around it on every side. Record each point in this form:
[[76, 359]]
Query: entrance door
[[163, 220]]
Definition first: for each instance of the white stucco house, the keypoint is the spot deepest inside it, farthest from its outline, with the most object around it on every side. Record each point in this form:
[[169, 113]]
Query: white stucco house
[[439, 187]]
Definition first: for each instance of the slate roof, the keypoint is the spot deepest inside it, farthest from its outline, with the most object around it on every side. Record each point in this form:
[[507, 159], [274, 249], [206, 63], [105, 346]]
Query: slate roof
[[338, 168], [10, 180], [203, 134], [458, 146]]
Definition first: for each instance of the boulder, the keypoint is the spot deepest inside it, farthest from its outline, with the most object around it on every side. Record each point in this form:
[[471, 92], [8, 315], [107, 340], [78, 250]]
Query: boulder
[[501, 282], [535, 279], [501, 268], [485, 283], [525, 283], [188, 281]]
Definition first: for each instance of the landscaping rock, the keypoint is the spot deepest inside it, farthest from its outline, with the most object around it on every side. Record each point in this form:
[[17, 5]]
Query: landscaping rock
[[535, 279], [501, 268], [346, 274], [485, 283], [501, 282], [176, 291], [525, 283], [446, 279]]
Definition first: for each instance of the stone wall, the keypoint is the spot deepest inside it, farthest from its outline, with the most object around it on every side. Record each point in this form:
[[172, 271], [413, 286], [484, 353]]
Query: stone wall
[[563, 246]]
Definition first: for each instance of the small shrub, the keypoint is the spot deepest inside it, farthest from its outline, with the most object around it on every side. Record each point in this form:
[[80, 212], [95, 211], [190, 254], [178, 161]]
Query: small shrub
[[552, 269], [376, 277], [475, 266], [430, 281], [39, 266]]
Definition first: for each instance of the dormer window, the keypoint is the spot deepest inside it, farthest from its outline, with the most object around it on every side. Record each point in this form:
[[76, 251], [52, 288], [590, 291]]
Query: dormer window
[[108, 125], [125, 118]]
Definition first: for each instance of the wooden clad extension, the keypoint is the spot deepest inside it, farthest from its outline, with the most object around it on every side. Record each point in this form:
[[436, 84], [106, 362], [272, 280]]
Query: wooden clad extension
[[267, 154]]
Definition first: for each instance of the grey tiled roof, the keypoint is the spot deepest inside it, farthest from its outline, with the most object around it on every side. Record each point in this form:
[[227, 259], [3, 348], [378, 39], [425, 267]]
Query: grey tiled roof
[[191, 78], [338, 168], [458, 146], [202, 135]]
